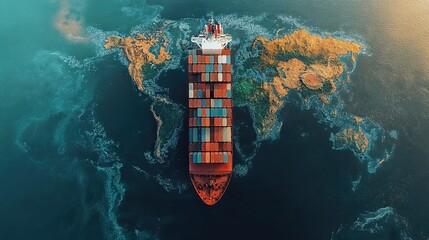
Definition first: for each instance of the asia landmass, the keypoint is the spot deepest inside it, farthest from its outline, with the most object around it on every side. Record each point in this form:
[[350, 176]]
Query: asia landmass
[[309, 64]]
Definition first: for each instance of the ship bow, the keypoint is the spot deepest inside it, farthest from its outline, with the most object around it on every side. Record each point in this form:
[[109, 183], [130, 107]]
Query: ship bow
[[210, 187]]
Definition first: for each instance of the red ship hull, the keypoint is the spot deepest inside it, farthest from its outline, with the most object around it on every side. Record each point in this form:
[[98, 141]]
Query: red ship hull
[[210, 123]]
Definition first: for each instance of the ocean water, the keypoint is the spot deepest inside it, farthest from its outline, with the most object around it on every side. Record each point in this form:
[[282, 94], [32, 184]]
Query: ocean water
[[77, 139]]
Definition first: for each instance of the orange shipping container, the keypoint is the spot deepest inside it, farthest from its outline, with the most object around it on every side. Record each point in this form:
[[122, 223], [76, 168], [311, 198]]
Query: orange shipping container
[[208, 157]]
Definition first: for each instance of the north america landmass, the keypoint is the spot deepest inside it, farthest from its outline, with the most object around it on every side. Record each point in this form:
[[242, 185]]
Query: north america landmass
[[267, 70], [145, 54]]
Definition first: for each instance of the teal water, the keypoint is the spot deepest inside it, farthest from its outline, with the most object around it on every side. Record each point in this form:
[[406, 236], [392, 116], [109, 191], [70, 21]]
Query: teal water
[[76, 140]]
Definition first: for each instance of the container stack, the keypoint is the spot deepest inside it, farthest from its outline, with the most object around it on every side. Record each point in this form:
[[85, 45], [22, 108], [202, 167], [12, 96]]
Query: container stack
[[210, 107]]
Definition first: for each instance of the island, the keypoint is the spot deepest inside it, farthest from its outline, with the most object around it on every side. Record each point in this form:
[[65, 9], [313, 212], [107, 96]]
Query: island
[[351, 137]]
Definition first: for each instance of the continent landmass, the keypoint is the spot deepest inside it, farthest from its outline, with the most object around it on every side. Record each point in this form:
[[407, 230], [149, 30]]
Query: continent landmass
[[309, 64], [169, 117], [141, 51], [351, 137]]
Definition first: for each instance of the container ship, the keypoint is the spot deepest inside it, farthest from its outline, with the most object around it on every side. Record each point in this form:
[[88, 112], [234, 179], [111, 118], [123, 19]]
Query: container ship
[[210, 112]]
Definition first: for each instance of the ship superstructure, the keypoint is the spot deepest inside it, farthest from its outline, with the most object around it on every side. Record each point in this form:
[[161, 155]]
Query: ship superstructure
[[210, 113]]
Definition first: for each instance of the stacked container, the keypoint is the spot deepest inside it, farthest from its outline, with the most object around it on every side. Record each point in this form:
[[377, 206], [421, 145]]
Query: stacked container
[[210, 107]]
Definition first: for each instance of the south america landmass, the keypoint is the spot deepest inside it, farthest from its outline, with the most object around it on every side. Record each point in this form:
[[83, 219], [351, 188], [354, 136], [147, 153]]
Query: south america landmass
[[145, 54]]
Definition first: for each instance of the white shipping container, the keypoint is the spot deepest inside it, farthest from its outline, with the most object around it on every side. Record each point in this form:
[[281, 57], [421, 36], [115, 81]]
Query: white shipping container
[[228, 134], [207, 134], [191, 93], [219, 77]]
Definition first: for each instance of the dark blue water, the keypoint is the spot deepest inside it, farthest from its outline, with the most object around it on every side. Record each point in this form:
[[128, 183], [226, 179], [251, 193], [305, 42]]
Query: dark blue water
[[77, 139]]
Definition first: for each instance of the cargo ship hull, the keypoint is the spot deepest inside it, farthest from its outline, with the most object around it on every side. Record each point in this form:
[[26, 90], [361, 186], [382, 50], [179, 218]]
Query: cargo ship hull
[[210, 122]]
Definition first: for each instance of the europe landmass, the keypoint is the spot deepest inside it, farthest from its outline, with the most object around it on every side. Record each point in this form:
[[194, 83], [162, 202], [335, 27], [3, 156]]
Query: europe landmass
[[145, 54]]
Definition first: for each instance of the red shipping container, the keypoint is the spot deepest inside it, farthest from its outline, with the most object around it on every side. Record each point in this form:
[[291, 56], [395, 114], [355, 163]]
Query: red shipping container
[[216, 135], [213, 156], [204, 158], [217, 122], [226, 51], [227, 146], [227, 103], [225, 68]]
